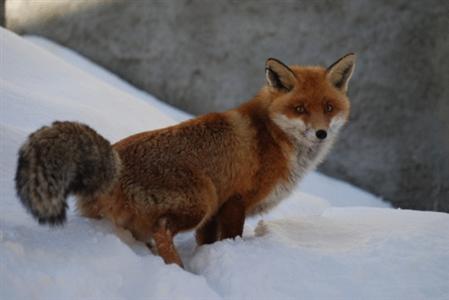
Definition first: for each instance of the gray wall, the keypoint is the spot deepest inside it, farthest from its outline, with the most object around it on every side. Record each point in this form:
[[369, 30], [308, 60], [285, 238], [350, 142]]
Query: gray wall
[[209, 55]]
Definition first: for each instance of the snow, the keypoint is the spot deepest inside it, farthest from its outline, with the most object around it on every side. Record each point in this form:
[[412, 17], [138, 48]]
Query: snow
[[328, 240], [87, 66], [345, 253]]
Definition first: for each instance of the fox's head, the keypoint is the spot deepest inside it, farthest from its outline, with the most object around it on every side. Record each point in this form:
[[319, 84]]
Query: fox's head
[[309, 103]]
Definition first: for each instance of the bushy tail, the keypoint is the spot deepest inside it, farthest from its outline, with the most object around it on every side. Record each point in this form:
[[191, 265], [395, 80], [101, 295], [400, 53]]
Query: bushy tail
[[65, 158]]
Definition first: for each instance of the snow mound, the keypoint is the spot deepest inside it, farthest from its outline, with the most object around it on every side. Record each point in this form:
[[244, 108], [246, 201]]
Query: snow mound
[[306, 248], [346, 253], [86, 260]]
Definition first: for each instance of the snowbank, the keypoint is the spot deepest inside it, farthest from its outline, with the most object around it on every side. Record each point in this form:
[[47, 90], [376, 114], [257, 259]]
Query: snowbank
[[307, 248], [345, 253]]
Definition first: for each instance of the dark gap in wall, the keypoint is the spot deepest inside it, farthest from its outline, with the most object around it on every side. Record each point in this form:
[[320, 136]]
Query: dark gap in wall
[[2, 13]]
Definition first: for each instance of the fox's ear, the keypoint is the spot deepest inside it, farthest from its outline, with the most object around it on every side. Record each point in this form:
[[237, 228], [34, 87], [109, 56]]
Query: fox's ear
[[278, 75], [341, 71]]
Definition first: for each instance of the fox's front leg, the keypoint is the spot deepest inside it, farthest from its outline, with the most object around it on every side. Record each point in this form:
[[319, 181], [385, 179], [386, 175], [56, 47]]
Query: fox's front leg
[[231, 218], [226, 223], [208, 232]]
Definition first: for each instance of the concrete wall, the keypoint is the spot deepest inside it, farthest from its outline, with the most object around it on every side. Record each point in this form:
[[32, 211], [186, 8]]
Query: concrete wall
[[209, 55]]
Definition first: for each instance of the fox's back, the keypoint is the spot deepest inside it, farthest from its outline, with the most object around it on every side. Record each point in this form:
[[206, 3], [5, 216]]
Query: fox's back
[[212, 146]]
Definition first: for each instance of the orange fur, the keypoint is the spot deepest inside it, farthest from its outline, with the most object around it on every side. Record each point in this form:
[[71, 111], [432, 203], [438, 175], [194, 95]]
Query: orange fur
[[209, 172]]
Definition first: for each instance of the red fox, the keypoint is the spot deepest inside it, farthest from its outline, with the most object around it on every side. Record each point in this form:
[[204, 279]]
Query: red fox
[[206, 174]]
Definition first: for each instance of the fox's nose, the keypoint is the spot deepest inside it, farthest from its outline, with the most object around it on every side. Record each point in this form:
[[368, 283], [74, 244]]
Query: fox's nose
[[321, 134]]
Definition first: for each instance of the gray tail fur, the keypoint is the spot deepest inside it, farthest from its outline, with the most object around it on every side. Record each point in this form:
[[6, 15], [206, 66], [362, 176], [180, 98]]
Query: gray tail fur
[[65, 158]]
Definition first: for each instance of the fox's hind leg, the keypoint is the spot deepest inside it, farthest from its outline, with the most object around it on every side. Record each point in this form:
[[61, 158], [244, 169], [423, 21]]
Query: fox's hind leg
[[178, 208], [172, 222], [163, 238]]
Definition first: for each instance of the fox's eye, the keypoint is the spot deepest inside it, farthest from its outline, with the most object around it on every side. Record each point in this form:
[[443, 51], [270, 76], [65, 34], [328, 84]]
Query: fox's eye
[[329, 107], [300, 109]]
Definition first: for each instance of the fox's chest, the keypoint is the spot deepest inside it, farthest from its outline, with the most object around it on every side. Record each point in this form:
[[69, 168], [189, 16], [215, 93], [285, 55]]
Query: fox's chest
[[300, 162]]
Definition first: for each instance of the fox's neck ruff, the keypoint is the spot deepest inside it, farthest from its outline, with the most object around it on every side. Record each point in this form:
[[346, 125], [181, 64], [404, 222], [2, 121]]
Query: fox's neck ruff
[[303, 157]]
